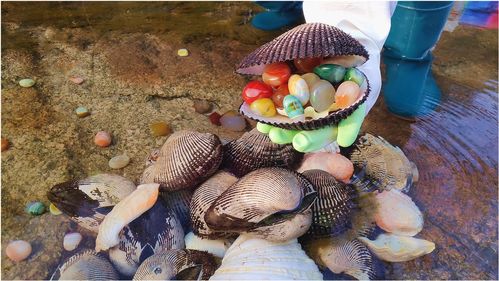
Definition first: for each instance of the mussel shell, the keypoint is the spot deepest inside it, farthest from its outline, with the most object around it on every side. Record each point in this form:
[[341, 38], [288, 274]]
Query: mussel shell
[[179, 202], [87, 265], [203, 198], [254, 150], [334, 207], [186, 159], [87, 201], [156, 230], [178, 265]]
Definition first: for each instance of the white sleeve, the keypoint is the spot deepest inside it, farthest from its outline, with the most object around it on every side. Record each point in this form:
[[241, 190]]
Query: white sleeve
[[368, 22]]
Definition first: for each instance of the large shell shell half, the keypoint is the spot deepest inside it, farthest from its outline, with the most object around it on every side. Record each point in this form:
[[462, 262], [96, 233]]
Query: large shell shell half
[[87, 201], [87, 265], [398, 214], [272, 203], [396, 248], [250, 258], [186, 159], [254, 150], [177, 265]]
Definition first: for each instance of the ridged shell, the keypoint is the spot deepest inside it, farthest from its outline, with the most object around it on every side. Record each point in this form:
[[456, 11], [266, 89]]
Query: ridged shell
[[258, 259], [304, 41], [87, 265], [395, 248], [350, 257], [333, 209], [179, 201], [386, 165], [177, 265], [155, 231], [398, 214], [87, 201], [254, 150], [202, 199], [271, 203], [186, 159]]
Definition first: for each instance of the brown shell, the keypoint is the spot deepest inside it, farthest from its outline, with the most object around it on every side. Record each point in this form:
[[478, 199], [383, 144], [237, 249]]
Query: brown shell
[[304, 41], [186, 159], [202, 199], [254, 150], [333, 209]]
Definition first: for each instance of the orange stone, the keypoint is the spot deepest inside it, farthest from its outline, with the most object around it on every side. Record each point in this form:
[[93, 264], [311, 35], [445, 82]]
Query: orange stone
[[5, 144], [102, 139], [159, 129]]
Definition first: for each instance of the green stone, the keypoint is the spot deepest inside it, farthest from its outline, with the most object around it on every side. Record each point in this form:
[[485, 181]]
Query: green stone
[[354, 75], [82, 112], [35, 208], [331, 72], [26, 83]]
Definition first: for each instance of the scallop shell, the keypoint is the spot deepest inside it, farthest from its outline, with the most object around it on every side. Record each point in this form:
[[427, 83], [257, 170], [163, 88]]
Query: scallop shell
[[395, 248], [179, 201], [350, 257], [398, 214], [87, 265], [216, 247], [202, 199], [177, 265], [254, 150], [87, 201], [257, 259], [154, 231], [186, 159], [271, 203], [385, 165], [333, 209]]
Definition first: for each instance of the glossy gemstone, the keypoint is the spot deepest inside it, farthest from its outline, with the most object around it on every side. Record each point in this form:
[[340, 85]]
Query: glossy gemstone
[[276, 74], [256, 90], [353, 74], [279, 95], [298, 87], [306, 64], [330, 72], [264, 107], [348, 92], [311, 79], [292, 106], [322, 95]]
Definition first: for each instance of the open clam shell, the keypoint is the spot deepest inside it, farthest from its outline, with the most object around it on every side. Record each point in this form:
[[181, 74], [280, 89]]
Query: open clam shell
[[254, 150]]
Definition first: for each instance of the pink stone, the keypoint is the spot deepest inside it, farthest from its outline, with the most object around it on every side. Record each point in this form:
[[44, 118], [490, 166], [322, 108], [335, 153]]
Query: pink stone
[[76, 80]]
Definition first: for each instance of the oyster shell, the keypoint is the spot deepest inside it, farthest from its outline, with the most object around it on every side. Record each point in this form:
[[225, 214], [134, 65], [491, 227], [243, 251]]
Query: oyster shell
[[87, 201], [254, 150], [202, 199], [177, 265], [257, 259], [87, 265], [398, 214], [186, 159], [396, 248], [272, 203]]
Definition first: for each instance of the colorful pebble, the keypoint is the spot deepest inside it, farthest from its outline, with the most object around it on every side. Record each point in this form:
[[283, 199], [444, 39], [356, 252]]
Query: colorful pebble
[[311, 79], [306, 64], [26, 83], [118, 162], [231, 122], [256, 90], [202, 106], [76, 80], [348, 92], [82, 112], [215, 118], [292, 106], [160, 128], [264, 107], [102, 139], [18, 250], [353, 74], [298, 87], [322, 95], [279, 95], [5, 144], [71, 241], [330, 72], [182, 52], [276, 74], [35, 208], [53, 210]]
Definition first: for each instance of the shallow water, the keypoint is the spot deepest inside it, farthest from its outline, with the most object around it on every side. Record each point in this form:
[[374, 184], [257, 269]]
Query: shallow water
[[127, 54]]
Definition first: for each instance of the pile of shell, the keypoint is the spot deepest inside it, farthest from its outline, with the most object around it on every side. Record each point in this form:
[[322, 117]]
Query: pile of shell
[[250, 211]]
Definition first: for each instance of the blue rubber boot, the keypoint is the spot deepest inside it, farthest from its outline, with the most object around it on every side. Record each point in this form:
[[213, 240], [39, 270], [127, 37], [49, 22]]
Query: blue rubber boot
[[279, 15], [410, 89]]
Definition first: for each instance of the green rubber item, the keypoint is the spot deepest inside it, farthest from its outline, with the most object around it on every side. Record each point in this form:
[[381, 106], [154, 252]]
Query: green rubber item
[[308, 141], [282, 136], [263, 128], [349, 128]]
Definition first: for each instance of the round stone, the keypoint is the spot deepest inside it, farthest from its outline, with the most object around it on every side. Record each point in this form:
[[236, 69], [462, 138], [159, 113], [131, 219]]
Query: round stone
[[118, 162], [26, 83], [182, 52], [82, 111]]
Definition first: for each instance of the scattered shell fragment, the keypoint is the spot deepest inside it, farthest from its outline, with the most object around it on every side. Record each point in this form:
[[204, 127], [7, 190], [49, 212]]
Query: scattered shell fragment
[[18, 250], [159, 129], [76, 80], [5, 144], [182, 52], [119, 161], [202, 106], [35, 208], [87, 265], [396, 248], [334, 163], [102, 139], [216, 247], [26, 83], [53, 210], [82, 112], [71, 241]]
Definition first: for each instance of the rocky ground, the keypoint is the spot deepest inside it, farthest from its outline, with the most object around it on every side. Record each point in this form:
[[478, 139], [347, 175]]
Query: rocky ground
[[127, 55]]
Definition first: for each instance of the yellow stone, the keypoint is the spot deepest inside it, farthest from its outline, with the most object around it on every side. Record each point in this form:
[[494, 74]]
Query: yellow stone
[[53, 210], [264, 107], [183, 52]]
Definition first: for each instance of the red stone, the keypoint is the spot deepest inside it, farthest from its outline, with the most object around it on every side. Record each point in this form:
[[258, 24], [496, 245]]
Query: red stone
[[215, 118], [256, 90], [276, 74], [279, 95], [306, 65]]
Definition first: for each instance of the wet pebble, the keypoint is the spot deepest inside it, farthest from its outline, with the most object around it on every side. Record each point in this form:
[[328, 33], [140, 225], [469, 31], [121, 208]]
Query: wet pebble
[[215, 118], [202, 106], [102, 139], [233, 122], [118, 162], [183, 52], [5, 144], [82, 112], [76, 80], [71, 241], [53, 210], [35, 208], [18, 250], [159, 129], [26, 83]]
